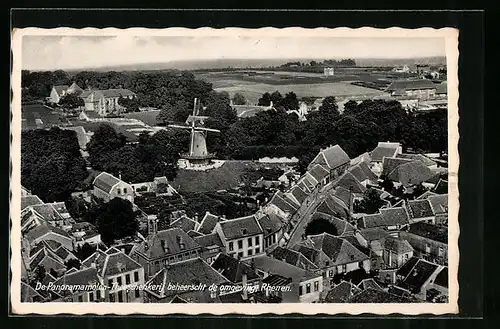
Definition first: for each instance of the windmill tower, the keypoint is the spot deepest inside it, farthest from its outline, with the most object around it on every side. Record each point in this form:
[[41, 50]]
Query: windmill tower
[[198, 153]]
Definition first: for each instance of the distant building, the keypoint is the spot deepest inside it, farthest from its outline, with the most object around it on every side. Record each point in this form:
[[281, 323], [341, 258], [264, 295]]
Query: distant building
[[107, 187], [57, 92], [403, 69], [419, 88], [105, 102], [82, 280], [429, 241], [328, 71]]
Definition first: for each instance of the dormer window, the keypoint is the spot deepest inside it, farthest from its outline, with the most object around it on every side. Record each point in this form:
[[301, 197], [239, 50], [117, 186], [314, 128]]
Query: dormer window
[[244, 231]]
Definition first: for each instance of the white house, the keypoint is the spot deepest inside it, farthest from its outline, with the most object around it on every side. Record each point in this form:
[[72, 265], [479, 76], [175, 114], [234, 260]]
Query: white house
[[107, 187]]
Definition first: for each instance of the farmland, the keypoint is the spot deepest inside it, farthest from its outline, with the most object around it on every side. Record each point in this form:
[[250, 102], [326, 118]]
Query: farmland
[[253, 84]]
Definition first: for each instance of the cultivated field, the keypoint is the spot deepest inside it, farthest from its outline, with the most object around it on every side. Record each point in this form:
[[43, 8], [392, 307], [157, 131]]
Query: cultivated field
[[253, 92], [253, 84]]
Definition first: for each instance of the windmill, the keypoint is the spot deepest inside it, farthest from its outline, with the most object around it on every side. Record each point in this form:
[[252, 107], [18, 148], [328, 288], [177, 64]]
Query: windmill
[[198, 153]]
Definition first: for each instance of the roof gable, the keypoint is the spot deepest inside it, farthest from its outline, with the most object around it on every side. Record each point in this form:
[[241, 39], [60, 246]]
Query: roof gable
[[105, 182]]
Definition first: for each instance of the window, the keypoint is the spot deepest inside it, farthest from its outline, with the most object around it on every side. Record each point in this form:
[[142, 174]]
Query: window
[[240, 244], [300, 291], [127, 279], [119, 191], [316, 285], [120, 296], [80, 298], [273, 239], [98, 295], [344, 268], [240, 254], [427, 248], [136, 276], [360, 264], [112, 297], [441, 252], [257, 250], [250, 252], [137, 293], [406, 256], [257, 241], [91, 296], [231, 247], [249, 242], [308, 288], [327, 263], [124, 190], [110, 283], [119, 280]]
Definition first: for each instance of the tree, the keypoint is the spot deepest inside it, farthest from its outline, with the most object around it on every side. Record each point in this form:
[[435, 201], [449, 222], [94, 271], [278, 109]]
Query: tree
[[329, 107], [239, 99], [38, 274], [175, 112], [101, 145], [276, 98], [52, 166], [73, 263], [290, 102], [321, 225], [71, 101], [265, 100], [370, 203], [115, 220]]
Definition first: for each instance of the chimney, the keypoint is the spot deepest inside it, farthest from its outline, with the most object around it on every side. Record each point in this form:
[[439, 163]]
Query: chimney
[[120, 175], [244, 282], [196, 218], [180, 242]]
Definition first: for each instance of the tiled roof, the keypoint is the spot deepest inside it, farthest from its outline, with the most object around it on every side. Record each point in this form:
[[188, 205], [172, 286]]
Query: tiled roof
[[384, 149], [377, 296], [30, 200], [233, 269], [60, 89], [349, 182], [442, 278], [117, 92], [275, 266], [363, 172], [195, 234], [407, 267], [441, 187], [184, 223], [369, 284], [48, 259], [209, 240], [298, 194], [398, 246], [167, 242], [365, 157], [375, 233], [411, 173], [208, 223], [105, 181], [111, 262], [331, 157], [420, 273], [430, 231], [390, 163], [415, 84], [439, 203], [293, 257], [394, 216], [192, 271], [270, 224], [240, 227], [334, 206], [318, 172], [41, 230], [83, 277], [279, 201], [419, 208], [338, 250], [47, 211], [425, 160], [344, 195], [342, 293], [426, 195]]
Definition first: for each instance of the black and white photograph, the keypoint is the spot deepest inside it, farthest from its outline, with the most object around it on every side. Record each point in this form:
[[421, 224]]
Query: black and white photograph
[[245, 170]]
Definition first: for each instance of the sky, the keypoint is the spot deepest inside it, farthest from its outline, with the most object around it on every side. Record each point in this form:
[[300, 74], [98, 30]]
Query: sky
[[75, 52]]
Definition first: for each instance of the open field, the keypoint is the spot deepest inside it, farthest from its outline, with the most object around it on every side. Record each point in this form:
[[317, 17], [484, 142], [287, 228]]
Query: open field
[[339, 89]]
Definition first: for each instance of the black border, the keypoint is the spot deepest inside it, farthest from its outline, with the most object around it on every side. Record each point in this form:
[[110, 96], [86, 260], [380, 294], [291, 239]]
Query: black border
[[471, 76]]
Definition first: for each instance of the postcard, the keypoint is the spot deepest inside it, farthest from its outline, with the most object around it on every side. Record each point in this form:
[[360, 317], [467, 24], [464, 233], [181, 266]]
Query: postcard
[[247, 171]]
